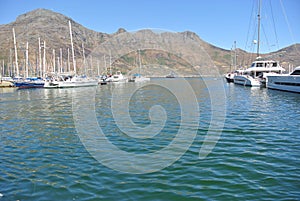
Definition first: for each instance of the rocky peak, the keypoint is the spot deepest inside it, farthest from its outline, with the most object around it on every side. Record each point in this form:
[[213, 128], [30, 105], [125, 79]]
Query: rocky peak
[[40, 15], [121, 30]]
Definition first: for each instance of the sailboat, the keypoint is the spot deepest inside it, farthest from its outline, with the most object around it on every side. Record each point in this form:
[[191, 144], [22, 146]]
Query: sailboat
[[6, 82], [68, 79], [230, 76], [117, 77], [256, 74], [25, 82], [138, 76]]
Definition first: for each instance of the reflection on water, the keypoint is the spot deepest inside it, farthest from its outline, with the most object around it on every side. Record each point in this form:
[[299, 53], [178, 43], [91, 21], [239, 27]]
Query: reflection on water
[[7, 90], [256, 157]]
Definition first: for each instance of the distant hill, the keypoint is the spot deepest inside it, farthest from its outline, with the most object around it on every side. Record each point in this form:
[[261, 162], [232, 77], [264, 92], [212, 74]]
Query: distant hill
[[159, 52]]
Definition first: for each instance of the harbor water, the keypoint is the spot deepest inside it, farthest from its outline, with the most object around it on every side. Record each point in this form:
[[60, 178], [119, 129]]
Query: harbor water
[[251, 137]]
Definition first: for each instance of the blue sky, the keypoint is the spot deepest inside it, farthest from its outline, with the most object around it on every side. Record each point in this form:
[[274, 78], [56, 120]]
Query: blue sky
[[219, 22]]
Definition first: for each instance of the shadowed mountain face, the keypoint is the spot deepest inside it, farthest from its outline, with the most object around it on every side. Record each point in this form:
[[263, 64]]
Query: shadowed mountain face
[[159, 52]]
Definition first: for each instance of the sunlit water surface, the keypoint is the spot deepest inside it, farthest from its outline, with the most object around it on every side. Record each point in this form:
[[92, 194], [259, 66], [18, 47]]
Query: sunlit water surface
[[257, 156]]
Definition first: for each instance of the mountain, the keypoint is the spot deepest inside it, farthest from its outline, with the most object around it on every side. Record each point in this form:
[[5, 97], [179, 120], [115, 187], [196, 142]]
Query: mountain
[[49, 26], [185, 53]]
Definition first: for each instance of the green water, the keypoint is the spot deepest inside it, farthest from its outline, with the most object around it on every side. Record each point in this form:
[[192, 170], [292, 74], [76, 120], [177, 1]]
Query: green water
[[256, 155]]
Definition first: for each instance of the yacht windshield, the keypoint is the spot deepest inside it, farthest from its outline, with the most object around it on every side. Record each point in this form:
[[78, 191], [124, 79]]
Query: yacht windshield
[[296, 72]]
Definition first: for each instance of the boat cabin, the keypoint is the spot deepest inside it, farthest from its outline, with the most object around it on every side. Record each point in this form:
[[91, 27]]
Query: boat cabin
[[265, 64], [259, 67]]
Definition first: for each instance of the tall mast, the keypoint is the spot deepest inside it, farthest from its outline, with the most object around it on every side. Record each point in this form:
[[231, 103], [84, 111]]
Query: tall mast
[[83, 53], [98, 68], [44, 60], [16, 53], [69, 60], [61, 60], [105, 64], [258, 30], [91, 69], [84, 62], [53, 52], [140, 63], [58, 65], [3, 71], [10, 62], [40, 58], [74, 63], [235, 56], [26, 61], [110, 72]]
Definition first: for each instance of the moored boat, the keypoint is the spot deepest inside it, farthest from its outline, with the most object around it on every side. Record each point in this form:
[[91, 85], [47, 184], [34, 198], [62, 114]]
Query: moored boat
[[4, 83], [229, 77], [171, 75], [30, 82], [68, 81], [118, 77], [285, 82], [138, 78], [257, 73]]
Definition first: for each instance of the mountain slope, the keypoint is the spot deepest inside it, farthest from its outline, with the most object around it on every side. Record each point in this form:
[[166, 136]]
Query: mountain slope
[[183, 52]]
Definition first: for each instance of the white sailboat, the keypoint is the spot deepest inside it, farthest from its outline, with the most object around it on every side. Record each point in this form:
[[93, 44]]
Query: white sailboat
[[138, 77], [257, 73], [70, 80], [117, 77], [25, 81], [230, 75], [6, 81]]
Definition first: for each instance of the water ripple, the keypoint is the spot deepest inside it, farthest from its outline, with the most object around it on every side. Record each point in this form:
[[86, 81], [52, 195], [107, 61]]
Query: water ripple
[[256, 158]]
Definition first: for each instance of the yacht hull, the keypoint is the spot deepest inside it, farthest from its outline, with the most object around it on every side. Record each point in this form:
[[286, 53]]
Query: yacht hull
[[246, 80], [284, 83], [70, 84], [229, 77], [27, 85]]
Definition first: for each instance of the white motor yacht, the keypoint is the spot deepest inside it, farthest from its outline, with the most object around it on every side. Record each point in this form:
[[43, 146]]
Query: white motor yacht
[[285, 82], [230, 76], [70, 81], [118, 77], [257, 73], [138, 78]]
